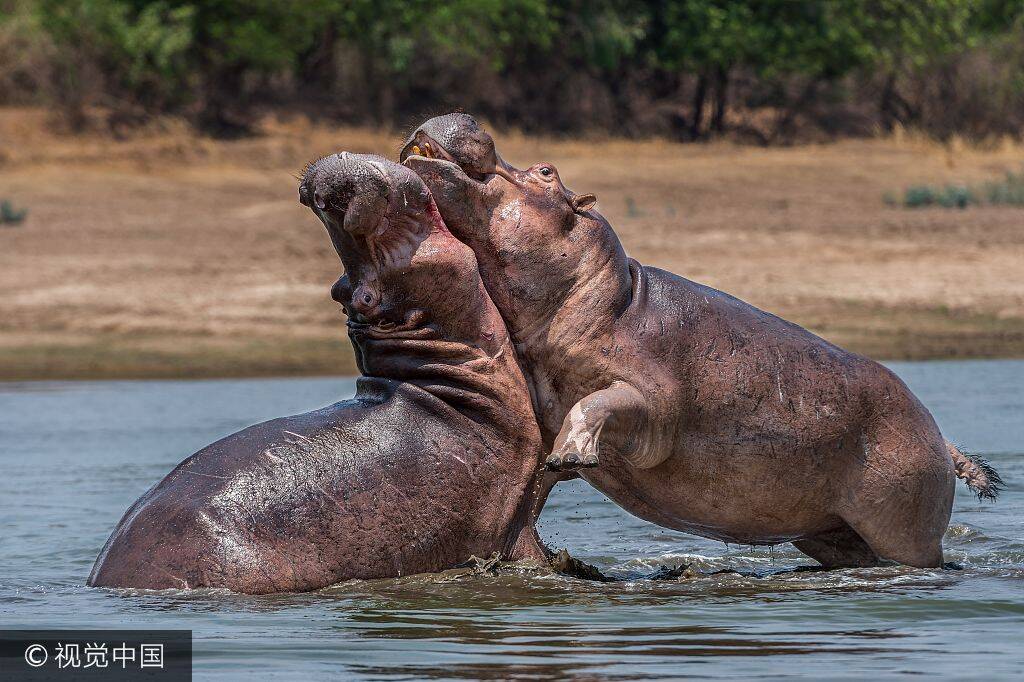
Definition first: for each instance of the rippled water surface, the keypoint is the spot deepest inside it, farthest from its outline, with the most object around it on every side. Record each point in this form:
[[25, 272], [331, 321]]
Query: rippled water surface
[[75, 455]]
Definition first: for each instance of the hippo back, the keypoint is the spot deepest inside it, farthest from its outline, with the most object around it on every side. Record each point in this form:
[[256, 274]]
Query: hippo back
[[302, 502]]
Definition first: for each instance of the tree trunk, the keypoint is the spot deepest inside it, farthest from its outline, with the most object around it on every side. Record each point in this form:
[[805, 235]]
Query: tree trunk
[[721, 99], [784, 125], [699, 98], [224, 112], [887, 105], [316, 68]]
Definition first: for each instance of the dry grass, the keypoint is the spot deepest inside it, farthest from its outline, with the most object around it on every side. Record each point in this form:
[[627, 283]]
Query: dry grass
[[169, 255]]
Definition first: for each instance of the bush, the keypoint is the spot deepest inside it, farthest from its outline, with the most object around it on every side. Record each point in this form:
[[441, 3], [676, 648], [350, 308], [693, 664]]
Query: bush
[[1006, 192], [950, 196], [108, 53], [1009, 191], [10, 216]]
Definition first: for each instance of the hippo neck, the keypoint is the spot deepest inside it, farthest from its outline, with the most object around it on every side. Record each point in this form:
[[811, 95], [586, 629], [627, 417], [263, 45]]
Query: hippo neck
[[599, 293], [480, 378]]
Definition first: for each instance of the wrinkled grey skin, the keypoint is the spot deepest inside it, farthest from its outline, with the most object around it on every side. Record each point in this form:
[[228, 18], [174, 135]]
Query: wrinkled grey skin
[[686, 406], [436, 458]]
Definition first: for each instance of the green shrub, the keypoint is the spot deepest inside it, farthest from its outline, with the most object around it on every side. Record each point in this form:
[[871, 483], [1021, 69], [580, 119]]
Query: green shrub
[[950, 196], [1009, 191], [118, 53], [916, 197], [9, 215], [953, 196], [1006, 192]]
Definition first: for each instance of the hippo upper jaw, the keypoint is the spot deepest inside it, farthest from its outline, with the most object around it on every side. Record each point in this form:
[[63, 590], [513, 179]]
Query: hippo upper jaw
[[454, 137]]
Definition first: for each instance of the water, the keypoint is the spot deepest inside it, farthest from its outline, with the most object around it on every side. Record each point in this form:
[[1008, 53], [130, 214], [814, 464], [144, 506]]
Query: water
[[75, 455]]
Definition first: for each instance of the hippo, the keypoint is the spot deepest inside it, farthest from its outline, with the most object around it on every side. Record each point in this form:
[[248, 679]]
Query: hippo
[[684, 405], [438, 457]]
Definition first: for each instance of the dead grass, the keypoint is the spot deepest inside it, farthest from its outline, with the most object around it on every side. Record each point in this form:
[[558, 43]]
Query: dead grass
[[170, 255]]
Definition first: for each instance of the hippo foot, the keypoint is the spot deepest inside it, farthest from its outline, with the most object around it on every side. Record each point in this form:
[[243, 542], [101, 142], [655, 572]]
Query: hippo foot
[[575, 448], [566, 564], [570, 460]]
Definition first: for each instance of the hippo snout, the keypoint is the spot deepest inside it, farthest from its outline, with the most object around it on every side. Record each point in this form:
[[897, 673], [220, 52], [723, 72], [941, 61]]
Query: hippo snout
[[350, 190]]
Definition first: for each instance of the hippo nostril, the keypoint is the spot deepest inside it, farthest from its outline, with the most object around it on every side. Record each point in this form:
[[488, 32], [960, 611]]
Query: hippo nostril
[[365, 299]]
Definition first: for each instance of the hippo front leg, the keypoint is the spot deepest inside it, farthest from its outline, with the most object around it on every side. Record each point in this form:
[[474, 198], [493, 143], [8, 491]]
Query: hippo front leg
[[617, 414]]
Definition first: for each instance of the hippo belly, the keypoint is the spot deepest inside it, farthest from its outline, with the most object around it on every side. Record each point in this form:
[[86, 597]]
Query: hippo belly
[[302, 502]]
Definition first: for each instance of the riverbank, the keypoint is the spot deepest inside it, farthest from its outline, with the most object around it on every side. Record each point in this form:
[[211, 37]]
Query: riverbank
[[168, 255]]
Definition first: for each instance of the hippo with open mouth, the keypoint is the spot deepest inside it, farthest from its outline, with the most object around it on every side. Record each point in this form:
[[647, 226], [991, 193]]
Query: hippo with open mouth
[[437, 457], [686, 406]]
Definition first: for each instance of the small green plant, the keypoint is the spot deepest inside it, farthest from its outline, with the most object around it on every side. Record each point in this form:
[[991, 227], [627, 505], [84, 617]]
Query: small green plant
[[950, 196], [954, 196], [916, 197], [10, 216], [1007, 192]]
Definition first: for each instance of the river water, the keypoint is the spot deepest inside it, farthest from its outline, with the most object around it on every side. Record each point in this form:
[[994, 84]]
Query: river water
[[75, 455]]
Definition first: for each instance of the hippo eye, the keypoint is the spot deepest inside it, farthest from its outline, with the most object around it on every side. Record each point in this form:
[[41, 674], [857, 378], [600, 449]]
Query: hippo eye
[[546, 172]]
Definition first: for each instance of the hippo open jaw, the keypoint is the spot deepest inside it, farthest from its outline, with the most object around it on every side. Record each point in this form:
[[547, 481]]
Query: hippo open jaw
[[456, 138], [377, 213], [423, 145], [427, 150], [424, 149]]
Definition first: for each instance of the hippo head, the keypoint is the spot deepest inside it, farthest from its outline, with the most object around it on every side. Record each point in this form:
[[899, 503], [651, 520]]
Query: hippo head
[[406, 277], [533, 236]]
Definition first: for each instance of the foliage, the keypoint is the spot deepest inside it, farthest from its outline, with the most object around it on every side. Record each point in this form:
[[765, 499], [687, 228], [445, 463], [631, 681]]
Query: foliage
[[9, 215], [1009, 191], [140, 52], [628, 66], [950, 196]]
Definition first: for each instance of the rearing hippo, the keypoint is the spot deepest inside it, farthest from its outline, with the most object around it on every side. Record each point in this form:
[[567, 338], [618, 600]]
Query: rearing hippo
[[436, 458], [708, 415]]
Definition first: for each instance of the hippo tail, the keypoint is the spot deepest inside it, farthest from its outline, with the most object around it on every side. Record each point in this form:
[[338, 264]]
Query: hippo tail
[[980, 476]]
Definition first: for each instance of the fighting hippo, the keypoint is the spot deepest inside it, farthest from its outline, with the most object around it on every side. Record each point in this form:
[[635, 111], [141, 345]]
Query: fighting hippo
[[436, 458], [686, 406]]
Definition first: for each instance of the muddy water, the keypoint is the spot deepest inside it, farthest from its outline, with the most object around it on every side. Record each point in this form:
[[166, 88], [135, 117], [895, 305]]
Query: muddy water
[[74, 455]]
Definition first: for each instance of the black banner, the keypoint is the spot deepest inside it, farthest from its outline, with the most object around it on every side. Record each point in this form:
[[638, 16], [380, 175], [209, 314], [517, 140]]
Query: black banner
[[54, 655]]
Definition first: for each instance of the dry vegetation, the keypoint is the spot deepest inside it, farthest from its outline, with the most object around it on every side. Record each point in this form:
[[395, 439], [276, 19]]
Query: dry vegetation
[[170, 255]]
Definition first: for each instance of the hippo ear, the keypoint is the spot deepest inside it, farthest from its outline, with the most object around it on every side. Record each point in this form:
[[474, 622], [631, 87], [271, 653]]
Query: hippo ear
[[581, 203]]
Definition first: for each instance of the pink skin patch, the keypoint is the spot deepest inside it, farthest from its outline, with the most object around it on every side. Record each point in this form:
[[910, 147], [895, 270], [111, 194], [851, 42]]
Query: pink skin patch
[[436, 218]]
